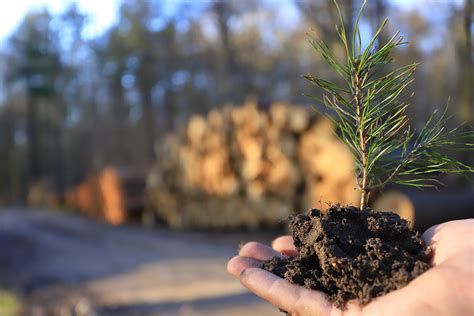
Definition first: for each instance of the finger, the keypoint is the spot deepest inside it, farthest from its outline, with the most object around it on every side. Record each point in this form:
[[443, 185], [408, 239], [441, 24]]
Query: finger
[[428, 234], [284, 244], [237, 264], [258, 251], [440, 238], [288, 297]]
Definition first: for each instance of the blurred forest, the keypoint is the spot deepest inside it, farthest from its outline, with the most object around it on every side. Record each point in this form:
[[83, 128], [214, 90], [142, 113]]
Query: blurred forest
[[71, 104]]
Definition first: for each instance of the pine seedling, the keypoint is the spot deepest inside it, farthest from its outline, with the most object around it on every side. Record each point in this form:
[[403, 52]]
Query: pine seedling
[[369, 110]]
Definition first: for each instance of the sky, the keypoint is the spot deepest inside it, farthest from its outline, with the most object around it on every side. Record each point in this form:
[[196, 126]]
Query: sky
[[103, 13]]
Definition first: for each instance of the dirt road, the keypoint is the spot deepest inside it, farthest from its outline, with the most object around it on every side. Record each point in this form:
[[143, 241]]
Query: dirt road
[[68, 265]]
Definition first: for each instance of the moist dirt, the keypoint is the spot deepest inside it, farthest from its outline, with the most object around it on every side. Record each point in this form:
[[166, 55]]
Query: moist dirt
[[352, 254]]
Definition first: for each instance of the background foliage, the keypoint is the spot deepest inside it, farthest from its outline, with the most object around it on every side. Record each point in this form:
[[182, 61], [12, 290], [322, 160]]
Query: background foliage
[[71, 104]]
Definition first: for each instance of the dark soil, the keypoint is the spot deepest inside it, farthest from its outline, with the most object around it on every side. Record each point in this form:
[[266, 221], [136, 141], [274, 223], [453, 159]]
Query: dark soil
[[352, 254]]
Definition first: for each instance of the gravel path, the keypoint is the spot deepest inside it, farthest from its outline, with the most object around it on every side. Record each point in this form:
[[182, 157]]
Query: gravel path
[[68, 265]]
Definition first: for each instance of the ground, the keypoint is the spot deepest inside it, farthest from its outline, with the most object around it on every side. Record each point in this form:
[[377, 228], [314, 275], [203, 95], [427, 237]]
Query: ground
[[60, 263]]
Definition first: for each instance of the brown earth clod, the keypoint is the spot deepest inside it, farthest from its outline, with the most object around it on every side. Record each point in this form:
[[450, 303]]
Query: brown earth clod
[[352, 254]]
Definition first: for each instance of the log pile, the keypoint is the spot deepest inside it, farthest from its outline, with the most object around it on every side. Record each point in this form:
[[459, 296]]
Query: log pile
[[245, 167], [110, 195]]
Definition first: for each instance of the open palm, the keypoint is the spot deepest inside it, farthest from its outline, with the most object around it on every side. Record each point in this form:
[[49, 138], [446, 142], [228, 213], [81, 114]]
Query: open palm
[[445, 289]]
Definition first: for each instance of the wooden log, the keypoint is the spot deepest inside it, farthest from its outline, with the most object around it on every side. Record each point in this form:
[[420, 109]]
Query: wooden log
[[425, 209], [298, 120], [328, 166], [112, 198], [196, 129], [279, 113], [111, 195], [84, 198]]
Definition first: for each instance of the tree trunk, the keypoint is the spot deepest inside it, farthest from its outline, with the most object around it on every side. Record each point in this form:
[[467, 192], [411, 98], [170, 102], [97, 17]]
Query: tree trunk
[[33, 141], [467, 65], [169, 104], [148, 118], [58, 159], [12, 178], [221, 10], [120, 125], [466, 103]]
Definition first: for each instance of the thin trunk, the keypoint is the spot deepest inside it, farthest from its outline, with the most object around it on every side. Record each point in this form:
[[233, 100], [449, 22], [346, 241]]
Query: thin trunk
[[33, 141], [230, 71], [58, 159], [146, 81], [120, 148], [362, 142], [11, 174], [170, 103], [148, 119], [467, 65], [467, 81]]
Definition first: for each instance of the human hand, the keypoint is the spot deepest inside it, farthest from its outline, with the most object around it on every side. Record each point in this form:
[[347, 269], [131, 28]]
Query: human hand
[[445, 289]]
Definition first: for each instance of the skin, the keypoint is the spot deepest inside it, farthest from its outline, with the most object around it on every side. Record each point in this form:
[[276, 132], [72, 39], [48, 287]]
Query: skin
[[446, 289]]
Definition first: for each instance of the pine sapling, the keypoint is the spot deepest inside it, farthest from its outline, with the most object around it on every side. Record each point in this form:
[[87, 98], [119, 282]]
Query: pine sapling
[[369, 110]]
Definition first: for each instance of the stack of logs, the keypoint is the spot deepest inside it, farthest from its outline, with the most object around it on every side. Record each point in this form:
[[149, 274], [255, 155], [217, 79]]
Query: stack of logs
[[111, 195], [246, 167]]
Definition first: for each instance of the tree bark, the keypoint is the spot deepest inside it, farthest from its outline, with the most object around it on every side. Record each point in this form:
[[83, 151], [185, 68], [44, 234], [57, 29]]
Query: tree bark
[[148, 118], [58, 159], [33, 139], [466, 103], [221, 9], [467, 65]]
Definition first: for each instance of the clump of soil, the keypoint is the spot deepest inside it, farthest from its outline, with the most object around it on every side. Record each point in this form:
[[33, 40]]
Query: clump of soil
[[352, 254]]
